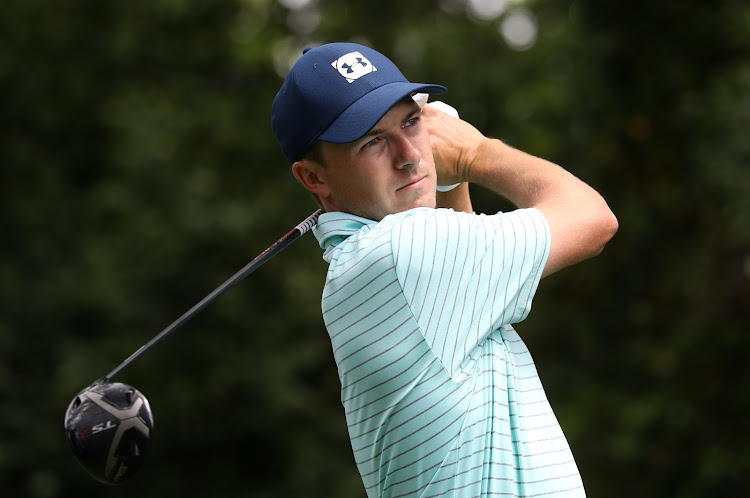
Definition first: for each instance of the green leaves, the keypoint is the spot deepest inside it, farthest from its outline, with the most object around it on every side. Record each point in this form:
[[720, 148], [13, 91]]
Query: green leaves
[[139, 171]]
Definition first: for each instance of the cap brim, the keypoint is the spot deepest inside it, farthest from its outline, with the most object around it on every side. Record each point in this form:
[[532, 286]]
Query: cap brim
[[364, 114]]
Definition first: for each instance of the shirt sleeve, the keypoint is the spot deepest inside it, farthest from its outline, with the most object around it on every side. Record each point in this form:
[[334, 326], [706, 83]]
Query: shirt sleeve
[[466, 275]]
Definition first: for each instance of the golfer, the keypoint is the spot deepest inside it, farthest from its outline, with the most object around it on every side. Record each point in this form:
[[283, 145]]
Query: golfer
[[441, 395]]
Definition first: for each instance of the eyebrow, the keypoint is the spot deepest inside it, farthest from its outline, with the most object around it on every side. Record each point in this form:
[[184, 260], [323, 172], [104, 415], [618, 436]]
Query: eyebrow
[[380, 131]]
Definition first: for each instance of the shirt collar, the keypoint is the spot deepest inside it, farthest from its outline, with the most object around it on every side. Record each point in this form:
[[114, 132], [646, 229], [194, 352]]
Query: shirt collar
[[334, 228]]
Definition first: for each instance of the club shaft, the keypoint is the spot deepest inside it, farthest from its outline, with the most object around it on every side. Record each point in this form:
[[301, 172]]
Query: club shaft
[[253, 265]]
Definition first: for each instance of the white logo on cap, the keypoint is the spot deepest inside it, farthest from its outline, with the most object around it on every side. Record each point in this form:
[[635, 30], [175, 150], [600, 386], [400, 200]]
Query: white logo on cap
[[353, 66]]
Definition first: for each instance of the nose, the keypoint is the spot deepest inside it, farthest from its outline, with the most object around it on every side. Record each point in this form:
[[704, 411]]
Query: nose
[[407, 155]]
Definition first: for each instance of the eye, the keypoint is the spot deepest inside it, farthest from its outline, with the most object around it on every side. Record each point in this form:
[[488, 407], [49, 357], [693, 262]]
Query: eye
[[411, 122], [371, 143]]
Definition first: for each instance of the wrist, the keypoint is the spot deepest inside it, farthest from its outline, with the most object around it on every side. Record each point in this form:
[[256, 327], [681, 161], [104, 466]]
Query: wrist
[[486, 159]]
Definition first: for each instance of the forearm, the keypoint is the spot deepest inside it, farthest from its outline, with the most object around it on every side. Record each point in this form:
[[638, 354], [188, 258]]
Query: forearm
[[458, 199], [523, 179]]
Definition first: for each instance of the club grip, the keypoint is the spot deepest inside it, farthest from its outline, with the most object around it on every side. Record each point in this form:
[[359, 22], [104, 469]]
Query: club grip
[[309, 222]]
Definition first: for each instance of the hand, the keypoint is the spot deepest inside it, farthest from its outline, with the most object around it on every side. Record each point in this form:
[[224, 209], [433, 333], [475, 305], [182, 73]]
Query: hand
[[454, 145]]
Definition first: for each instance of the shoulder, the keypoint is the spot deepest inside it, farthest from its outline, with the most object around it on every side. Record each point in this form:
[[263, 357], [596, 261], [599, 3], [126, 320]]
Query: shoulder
[[444, 225], [355, 247]]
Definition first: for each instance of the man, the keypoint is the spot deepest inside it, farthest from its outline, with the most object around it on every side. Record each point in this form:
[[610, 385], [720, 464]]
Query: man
[[441, 395]]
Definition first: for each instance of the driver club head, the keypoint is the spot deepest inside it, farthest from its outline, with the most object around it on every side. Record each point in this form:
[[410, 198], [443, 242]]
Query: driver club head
[[109, 428]]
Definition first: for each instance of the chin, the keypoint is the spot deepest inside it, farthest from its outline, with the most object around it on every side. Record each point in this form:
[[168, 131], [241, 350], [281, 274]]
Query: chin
[[428, 201], [415, 206]]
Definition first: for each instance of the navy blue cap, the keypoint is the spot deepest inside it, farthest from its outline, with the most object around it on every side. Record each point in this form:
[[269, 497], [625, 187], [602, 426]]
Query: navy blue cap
[[337, 93]]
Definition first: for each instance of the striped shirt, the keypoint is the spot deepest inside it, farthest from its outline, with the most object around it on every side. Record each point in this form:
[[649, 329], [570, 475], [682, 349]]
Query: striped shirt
[[441, 396]]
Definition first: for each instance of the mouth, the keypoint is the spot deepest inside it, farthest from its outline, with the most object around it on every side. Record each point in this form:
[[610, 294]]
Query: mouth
[[412, 185]]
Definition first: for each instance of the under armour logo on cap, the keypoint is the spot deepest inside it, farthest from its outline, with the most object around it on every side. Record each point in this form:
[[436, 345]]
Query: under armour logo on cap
[[353, 66]]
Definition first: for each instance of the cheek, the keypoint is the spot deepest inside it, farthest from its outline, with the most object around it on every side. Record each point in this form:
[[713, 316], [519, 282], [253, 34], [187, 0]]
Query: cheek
[[359, 187]]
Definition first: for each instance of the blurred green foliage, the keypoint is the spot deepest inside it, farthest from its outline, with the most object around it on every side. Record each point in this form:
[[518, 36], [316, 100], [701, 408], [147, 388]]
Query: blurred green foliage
[[139, 171]]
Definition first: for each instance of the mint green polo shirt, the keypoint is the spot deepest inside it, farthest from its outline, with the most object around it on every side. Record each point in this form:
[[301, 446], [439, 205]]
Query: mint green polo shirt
[[441, 395]]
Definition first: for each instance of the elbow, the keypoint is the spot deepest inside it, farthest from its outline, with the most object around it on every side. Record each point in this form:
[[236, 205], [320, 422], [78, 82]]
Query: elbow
[[579, 234], [612, 225], [605, 228]]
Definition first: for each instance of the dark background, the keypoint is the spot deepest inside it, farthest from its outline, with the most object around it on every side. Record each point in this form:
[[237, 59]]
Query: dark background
[[139, 171]]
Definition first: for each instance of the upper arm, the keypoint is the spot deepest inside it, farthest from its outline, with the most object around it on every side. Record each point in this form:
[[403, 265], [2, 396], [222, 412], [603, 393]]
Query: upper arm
[[458, 199]]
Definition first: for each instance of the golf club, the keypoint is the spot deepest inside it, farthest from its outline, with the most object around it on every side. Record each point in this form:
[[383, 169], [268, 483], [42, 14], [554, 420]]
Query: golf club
[[109, 425]]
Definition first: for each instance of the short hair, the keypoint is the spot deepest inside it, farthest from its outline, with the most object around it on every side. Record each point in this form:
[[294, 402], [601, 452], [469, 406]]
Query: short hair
[[315, 153]]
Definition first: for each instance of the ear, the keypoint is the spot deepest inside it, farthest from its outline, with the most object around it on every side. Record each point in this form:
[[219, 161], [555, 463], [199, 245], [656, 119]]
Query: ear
[[308, 173]]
